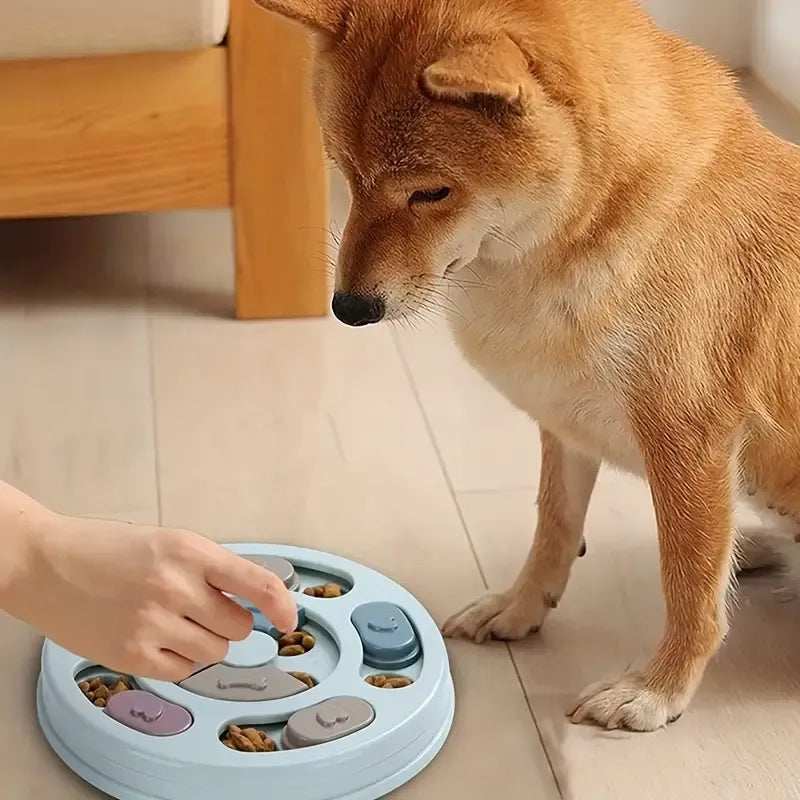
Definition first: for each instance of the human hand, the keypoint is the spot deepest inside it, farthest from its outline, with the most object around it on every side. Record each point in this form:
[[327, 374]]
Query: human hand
[[140, 600]]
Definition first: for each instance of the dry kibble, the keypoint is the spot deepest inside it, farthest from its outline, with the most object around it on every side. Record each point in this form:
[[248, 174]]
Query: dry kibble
[[305, 678], [296, 644], [329, 590], [241, 743], [248, 740], [102, 692], [98, 692], [389, 681], [253, 735]]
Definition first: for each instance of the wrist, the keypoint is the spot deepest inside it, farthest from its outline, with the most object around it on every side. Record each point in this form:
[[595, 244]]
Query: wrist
[[24, 526]]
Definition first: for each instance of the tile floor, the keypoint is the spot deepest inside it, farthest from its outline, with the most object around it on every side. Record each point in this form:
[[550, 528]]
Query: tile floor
[[125, 391]]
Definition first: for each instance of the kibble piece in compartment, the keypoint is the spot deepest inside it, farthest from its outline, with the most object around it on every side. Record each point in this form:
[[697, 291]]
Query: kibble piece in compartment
[[99, 691], [296, 644], [305, 678], [248, 740], [328, 591], [389, 681]]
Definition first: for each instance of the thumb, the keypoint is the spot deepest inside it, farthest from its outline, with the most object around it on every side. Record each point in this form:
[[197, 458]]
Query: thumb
[[263, 589]]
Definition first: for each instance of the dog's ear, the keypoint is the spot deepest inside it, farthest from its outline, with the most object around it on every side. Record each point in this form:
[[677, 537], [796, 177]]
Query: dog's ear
[[493, 70], [322, 16]]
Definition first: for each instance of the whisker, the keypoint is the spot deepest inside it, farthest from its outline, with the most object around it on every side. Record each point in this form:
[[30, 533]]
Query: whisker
[[478, 277], [446, 303], [465, 291], [434, 300], [322, 254], [502, 236], [329, 234], [464, 283], [323, 259], [451, 280]]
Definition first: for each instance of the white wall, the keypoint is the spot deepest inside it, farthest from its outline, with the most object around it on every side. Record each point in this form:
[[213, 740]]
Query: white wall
[[722, 26], [776, 47]]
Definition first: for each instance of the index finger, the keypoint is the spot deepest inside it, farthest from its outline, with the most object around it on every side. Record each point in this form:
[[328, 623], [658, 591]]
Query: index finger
[[263, 589]]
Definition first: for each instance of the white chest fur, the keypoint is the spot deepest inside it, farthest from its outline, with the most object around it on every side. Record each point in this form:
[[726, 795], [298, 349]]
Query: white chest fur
[[526, 346]]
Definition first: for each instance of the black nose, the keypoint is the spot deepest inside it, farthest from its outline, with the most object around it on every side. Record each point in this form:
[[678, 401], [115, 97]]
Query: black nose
[[356, 309]]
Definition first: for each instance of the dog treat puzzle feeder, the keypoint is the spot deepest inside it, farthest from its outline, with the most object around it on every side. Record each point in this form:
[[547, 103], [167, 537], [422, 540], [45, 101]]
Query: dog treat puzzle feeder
[[351, 706]]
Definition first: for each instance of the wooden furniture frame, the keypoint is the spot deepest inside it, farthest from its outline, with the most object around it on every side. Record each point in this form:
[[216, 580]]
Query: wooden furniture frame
[[226, 126]]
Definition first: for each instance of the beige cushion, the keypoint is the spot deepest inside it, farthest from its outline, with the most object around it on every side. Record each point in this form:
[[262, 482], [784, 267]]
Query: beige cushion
[[45, 28]]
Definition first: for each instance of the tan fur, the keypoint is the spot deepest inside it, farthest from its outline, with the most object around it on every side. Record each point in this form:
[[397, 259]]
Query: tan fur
[[619, 255]]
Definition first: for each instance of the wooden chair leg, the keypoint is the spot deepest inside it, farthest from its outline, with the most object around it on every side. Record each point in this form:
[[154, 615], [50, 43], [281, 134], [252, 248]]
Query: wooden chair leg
[[280, 187]]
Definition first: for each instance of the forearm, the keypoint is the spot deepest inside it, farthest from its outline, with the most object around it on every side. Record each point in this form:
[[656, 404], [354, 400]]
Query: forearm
[[22, 520]]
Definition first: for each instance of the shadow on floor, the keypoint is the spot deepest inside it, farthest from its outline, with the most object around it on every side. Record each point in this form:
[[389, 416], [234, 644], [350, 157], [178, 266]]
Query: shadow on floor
[[110, 262]]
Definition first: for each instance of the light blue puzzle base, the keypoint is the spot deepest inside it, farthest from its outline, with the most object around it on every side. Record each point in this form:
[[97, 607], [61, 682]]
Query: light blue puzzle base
[[409, 729], [380, 788]]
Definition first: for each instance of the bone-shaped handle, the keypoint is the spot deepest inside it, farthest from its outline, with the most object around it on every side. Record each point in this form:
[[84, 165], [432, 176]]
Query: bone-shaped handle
[[332, 716], [147, 715], [261, 686], [384, 627]]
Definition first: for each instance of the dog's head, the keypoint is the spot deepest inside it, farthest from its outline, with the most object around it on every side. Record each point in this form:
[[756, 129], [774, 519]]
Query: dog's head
[[454, 126]]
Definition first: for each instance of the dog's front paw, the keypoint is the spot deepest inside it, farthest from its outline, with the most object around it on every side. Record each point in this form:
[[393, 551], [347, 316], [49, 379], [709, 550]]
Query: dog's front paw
[[627, 704], [507, 617]]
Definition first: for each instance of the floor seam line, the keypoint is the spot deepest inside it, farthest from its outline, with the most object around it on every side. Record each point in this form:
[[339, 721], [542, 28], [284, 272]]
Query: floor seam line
[[454, 496], [153, 404], [439, 458], [545, 749]]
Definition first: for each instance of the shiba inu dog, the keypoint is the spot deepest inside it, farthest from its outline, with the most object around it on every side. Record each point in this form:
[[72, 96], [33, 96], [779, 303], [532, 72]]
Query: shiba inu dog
[[625, 238]]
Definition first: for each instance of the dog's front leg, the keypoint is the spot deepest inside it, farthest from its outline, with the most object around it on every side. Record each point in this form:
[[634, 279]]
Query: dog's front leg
[[691, 484], [565, 488]]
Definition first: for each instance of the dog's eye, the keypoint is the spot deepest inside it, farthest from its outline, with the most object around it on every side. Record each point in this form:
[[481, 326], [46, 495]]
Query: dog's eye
[[429, 196]]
